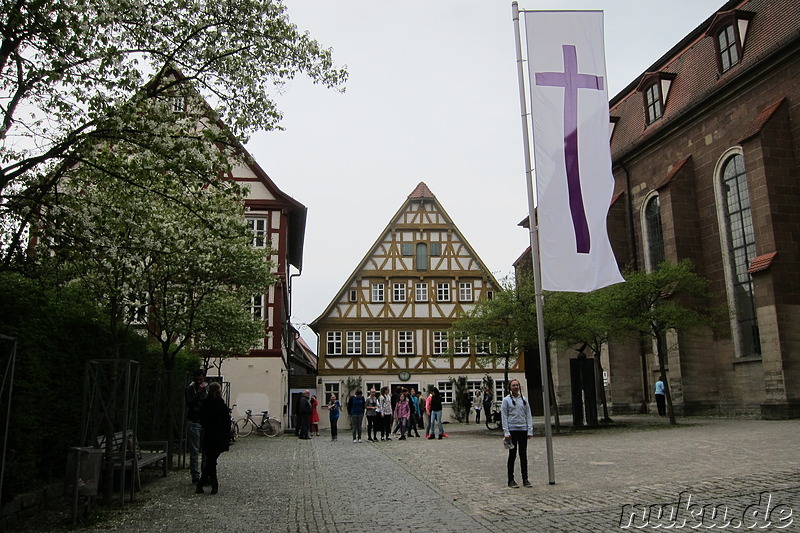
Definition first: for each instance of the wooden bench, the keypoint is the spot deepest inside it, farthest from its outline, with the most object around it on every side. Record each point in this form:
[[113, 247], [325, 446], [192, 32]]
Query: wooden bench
[[137, 455]]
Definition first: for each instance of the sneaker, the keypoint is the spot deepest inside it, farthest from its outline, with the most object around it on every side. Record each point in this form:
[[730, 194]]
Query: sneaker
[[428, 436], [354, 441], [526, 483], [402, 438], [382, 439], [388, 438], [445, 435], [359, 440], [440, 437], [513, 484]]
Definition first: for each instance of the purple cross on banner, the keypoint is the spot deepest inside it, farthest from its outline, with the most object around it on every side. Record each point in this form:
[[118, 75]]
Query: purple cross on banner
[[571, 81]]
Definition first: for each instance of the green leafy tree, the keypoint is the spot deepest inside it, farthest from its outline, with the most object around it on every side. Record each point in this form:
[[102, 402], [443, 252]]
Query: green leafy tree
[[649, 304], [73, 73], [498, 328]]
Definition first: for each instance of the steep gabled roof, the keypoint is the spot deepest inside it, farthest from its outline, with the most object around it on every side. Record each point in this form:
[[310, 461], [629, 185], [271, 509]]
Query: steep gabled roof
[[421, 193], [297, 211]]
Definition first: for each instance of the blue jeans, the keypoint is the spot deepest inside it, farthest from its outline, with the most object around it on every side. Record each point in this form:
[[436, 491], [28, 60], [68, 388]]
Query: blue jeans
[[194, 436], [436, 416]]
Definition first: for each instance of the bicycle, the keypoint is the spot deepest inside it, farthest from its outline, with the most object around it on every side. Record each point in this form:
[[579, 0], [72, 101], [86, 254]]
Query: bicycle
[[269, 426], [494, 420], [234, 434]]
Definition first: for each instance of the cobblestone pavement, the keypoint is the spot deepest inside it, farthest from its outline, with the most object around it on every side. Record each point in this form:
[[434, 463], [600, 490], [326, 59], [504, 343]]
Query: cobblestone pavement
[[459, 483]]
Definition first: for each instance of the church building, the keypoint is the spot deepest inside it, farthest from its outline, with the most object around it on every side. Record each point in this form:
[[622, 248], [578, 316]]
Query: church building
[[705, 148], [388, 324]]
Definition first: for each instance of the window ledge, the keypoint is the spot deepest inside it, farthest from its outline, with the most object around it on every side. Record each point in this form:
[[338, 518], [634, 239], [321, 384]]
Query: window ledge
[[747, 359]]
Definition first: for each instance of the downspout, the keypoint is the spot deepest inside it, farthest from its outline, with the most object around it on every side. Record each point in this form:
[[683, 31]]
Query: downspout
[[634, 261]]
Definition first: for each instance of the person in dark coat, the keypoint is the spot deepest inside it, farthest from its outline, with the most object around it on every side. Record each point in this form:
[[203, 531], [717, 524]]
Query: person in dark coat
[[304, 414], [216, 420]]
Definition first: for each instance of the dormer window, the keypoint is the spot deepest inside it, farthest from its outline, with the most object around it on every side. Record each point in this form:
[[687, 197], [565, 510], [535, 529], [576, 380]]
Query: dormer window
[[655, 91], [652, 103], [729, 30]]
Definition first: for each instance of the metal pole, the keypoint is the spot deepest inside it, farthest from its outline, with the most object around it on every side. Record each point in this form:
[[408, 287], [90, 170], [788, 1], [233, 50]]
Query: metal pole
[[534, 233]]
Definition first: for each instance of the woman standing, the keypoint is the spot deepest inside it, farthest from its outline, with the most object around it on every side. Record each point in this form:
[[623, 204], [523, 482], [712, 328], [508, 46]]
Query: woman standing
[[517, 428], [314, 415], [436, 413], [216, 421], [334, 410], [372, 415], [386, 414]]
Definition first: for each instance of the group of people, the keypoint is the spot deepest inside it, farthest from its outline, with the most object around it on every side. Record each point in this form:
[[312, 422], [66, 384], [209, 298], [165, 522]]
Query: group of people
[[208, 431], [209, 422]]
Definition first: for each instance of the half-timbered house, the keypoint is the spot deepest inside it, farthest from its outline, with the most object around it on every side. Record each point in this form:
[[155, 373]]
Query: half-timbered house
[[389, 323]]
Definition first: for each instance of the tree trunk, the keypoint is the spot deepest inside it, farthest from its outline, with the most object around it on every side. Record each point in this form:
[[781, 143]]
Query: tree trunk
[[660, 350], [601, 389]]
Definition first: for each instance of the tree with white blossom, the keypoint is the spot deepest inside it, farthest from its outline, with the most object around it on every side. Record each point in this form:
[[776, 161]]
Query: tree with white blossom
[[73, 74]]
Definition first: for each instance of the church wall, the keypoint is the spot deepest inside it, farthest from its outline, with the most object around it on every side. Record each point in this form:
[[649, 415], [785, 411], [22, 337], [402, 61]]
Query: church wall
[[712, 378]]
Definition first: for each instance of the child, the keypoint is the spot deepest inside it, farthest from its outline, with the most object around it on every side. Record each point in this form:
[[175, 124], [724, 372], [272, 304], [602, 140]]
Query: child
[[402, 411]]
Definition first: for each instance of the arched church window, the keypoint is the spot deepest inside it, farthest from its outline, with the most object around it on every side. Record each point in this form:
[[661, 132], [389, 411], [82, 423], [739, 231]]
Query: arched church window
[[739, 248], [653, 232]]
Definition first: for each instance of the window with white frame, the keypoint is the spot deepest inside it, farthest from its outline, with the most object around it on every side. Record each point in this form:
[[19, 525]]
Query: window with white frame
[[408, 249], [377, 292], [421, 292], [446, 390], [373, 343], [257, 307], [178, 104], [499, 391], [405, 342], [461, 345], [369, 385], [483, 347], [399, 292], [259, 227], [440, 345], [472, 386], [334, 343], [465, 291], [332, 388], [353, 295], [353, 343], [443, 292]]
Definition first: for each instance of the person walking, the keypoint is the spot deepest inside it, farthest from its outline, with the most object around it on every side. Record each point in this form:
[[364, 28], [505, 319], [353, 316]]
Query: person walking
[[428, 431], [334, 410], [402, 412], [386, 414], [216, 421], [517, 429], [371, 405], [436, 413], [661, 397], [195, 395], [477, 403], [304, 414], [356, 412], [314, 415]]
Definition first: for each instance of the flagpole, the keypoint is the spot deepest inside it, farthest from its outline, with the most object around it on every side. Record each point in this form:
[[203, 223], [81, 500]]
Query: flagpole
[[534, 232]]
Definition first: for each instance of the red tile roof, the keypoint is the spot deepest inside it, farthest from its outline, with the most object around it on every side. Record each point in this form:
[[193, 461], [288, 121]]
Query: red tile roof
[[693, 61], [762, 262], [761, 120], [422, 191], [672, 174]]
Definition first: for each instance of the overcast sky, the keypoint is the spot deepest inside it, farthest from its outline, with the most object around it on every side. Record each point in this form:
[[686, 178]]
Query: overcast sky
[[432, 96]]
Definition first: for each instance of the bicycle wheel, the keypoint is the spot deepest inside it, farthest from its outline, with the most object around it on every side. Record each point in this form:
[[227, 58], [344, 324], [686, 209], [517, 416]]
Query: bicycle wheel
[[493, 421], [244, 427], [271, 428]]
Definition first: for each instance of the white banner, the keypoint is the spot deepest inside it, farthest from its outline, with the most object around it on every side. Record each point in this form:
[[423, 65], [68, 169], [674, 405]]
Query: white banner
[[574, 184]]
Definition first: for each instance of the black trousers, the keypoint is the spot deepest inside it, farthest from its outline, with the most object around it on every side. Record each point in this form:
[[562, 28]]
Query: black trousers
[[661, 403], [334, 427], [372, 427], [520, 441]]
